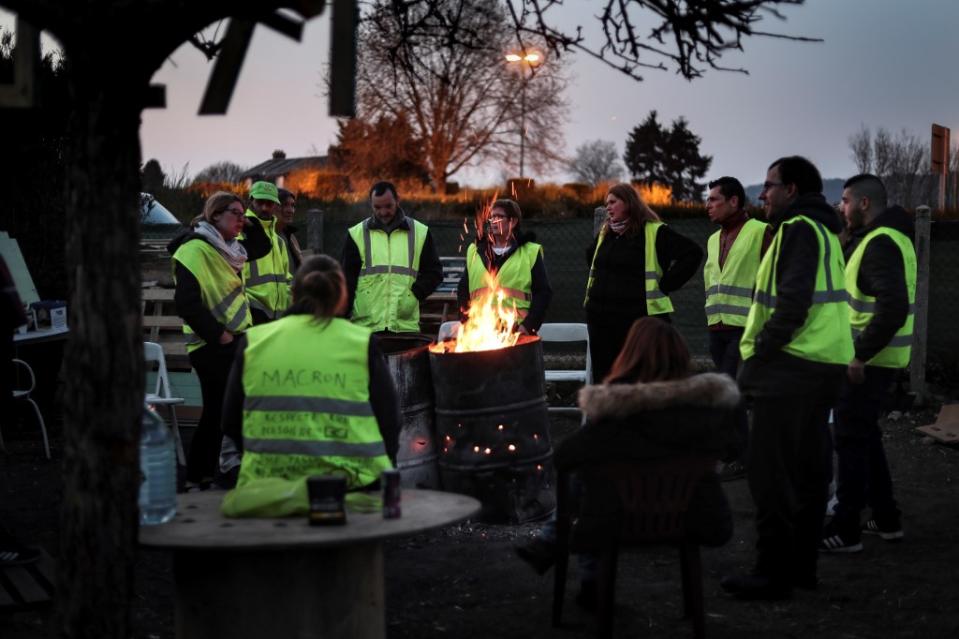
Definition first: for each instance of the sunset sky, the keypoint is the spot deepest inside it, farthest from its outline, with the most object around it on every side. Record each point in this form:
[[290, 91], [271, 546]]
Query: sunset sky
[[883, 63]]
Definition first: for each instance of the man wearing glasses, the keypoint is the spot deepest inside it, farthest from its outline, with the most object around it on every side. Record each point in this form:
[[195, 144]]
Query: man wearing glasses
[[795, 348]]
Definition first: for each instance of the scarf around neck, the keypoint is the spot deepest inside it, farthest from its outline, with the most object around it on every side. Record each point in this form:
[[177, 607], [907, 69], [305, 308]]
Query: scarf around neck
[[617, 227], [232, 251]]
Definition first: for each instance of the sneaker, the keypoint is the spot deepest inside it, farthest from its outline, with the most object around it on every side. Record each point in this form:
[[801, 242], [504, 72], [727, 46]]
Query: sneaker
[[888, 533], [732, 470], [838, 543], [17, 555]]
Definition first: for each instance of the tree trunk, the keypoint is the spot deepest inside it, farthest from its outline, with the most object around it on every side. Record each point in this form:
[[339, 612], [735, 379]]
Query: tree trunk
[[103, 361]]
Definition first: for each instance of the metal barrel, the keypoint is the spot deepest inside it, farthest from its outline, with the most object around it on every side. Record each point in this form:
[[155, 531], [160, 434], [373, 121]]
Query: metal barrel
[[492, 428], [409, 365]]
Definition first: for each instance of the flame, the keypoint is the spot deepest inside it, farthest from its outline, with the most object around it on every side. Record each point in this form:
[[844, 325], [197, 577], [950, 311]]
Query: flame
[[655, 194], [491, 317]]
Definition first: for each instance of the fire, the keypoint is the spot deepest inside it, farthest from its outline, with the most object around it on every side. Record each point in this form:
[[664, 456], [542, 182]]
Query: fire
[[492, 318], [655, 194]]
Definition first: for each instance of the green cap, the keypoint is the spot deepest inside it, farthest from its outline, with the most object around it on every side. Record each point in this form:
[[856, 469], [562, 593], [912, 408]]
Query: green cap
[[264, 191]]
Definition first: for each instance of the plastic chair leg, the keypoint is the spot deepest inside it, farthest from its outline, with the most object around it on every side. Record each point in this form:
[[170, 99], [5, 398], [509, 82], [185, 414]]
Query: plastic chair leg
[[181, 457], [43, 426]]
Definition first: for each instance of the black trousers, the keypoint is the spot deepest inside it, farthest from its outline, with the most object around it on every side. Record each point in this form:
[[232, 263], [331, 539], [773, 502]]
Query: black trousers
[[212, 363], [864, 477], [788, 476], [607, 332], [724, 349]]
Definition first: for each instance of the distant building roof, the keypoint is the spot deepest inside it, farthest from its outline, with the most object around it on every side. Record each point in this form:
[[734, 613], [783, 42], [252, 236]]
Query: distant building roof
[[276, 167]]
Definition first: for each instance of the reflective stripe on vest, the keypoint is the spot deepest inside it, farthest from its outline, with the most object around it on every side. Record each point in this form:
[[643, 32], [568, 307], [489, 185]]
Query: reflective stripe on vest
[[729, 289], [306, 409], [268, 278], [657, 302], [862, 307], [221, 289], [825, 335], [389, 264], [515, 275]]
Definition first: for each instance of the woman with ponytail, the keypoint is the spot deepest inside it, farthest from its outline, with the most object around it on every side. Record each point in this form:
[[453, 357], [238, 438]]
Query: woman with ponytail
[[208, 261], [311, 394]]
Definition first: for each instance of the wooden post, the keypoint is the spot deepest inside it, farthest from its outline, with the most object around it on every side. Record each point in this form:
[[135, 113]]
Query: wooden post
[[599, 216], [314, 230], [917, 367]]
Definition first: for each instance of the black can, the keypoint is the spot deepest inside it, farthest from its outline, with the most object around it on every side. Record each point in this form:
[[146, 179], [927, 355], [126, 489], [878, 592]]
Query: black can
[[391, 494], [326, 494]]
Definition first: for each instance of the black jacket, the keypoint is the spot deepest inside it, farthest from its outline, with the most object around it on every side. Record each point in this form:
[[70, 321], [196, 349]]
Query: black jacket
[[383, 399], [618, 286], [772, 371], [882, 274], [431, 269], [187, 297], [655, 421], [542, 292]]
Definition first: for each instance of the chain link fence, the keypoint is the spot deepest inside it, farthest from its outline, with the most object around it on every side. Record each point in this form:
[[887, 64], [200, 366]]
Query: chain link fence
[[566, 242]]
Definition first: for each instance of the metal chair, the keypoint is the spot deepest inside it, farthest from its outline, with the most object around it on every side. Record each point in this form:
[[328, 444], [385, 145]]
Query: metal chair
[[571, 332], [653, 498], [24, 394], [161, 395]]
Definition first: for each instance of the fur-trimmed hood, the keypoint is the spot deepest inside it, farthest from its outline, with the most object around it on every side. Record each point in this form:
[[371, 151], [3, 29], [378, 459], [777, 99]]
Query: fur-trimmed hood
[[617, 401]]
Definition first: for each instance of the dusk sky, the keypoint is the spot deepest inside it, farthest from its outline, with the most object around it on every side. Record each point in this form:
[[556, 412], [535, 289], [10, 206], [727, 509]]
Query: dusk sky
[[883, 63]]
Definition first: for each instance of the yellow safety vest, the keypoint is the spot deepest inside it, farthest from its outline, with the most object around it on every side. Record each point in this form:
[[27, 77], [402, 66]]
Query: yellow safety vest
[[220, 288], [862, 307], [515, 276], [307, 407], [390, 263], [657, 302], [825, 335], [268, 278], [729, 289]]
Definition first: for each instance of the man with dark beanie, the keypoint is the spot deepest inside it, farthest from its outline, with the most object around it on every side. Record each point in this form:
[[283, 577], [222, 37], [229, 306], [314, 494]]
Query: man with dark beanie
[[795, 348]]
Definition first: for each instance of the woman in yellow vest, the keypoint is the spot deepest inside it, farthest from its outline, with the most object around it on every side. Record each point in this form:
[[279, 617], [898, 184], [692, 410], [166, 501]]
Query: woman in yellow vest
[[636, 261], [310, 394], [505, 249], [207, 269]]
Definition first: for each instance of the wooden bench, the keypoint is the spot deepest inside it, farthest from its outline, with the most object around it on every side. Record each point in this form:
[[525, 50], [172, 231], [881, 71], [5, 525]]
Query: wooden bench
[[162, 325], [27, 585]]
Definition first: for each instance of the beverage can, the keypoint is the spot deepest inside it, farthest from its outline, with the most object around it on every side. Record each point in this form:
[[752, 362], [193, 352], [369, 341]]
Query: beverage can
[[326, 494], [391, 494]]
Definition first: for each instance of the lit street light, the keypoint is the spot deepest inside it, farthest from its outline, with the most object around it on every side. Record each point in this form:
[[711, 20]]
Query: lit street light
[[526, 59]]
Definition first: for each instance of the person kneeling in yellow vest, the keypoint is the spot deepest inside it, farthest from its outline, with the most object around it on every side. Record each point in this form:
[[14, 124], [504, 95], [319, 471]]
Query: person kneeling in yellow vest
[[309, 394]]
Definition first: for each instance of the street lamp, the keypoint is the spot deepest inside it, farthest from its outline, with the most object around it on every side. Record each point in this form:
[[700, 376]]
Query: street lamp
[[526, 60]]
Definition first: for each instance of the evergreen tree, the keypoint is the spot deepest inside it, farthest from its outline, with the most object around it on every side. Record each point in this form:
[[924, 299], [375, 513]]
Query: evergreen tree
[[667, 156]]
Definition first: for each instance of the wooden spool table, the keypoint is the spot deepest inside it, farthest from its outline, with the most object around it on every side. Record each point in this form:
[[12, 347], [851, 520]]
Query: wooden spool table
[[242, 578]]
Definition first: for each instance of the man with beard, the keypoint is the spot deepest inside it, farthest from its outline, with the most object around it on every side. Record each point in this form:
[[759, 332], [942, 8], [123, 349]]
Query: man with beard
[[796, 346], [881, 282]]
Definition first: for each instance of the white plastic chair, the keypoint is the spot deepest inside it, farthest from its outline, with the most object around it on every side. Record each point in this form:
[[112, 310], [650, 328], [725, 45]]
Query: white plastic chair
[[571, 332], [161, 395], [448, 330], [24, 394]]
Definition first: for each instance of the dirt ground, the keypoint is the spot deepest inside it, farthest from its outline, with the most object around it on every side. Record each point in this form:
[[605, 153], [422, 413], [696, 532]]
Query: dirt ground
[[464, 581]]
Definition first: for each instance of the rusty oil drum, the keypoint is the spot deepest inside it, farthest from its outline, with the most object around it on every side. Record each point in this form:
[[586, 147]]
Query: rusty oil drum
[[492, 428], [408, 361]]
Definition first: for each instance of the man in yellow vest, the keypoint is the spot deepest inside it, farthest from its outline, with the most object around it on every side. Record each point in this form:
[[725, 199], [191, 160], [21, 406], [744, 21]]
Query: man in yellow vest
[[796, 346], [881, 282], [732, 261], [513, 254], [391, 265], [268, 278]]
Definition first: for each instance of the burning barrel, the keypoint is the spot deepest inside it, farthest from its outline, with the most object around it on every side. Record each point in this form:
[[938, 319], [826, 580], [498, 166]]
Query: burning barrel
[[409, 364], [492, 428]]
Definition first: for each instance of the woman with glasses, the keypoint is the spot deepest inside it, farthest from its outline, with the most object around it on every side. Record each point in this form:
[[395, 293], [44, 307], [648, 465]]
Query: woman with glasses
[[636, 261], [502, 248], [208, 264]]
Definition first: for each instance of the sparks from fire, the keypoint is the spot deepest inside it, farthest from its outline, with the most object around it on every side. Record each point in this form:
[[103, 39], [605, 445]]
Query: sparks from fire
[[491, 318]]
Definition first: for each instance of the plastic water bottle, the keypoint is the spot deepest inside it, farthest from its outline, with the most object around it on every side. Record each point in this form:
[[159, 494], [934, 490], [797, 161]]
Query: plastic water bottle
[[158, 466]]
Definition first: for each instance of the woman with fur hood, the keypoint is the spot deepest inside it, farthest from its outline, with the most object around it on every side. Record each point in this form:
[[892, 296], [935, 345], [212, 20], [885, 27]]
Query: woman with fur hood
[[648, 408], [504, 249]]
